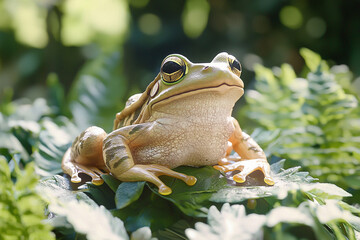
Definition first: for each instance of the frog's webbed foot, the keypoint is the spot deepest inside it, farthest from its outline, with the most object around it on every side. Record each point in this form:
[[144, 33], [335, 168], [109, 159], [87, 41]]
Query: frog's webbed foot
[[246, 167], [151, 172], [74, 169]]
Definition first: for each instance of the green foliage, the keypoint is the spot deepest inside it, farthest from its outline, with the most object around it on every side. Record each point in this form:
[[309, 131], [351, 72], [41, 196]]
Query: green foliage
[[21, 207], [231, 223], [98, 93], [78, 211], [295, 207], [313, 120]]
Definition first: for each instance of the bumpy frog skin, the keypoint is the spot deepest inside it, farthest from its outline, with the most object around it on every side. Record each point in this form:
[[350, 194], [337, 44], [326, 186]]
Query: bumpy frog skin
[[182, 118]]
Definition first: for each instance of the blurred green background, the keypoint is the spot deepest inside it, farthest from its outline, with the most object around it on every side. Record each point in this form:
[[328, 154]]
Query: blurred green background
[[38, 37]]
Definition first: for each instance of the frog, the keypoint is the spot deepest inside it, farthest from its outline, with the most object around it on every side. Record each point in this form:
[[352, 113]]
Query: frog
[[183, 118]]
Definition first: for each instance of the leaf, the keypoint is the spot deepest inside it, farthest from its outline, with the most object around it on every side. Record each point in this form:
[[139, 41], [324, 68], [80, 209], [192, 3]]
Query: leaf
[[353, 181], [316, 216], [229, 223], [54, 139], [21, 207], [56, 94], [311, 58], [325, 191], [30, 111], [300, 215], [98, 93], [287, 74], [290, 215], [103, 195], [112, 182], [148, 211], [127, 193], [331, 212], [174, 232], [143, 233], [80, 211], [60, 188], [11, 145], [93, 221], [265, 74], [193, 200], [318, 129], [285, 181]]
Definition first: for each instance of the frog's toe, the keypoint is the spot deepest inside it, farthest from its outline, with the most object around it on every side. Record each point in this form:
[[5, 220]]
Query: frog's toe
[[75, 178], [165, 190], [97, 181], [240, 178], [269, 181], [190, 180], [220, 168]]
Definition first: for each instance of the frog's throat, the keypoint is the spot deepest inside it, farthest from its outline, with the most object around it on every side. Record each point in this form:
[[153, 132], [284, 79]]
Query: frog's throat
[[219, 88]]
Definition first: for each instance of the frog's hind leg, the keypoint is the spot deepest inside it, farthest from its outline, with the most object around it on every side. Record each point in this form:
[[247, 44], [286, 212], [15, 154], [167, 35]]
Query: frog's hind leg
[[85, 156], [151, 172], [118, 158]]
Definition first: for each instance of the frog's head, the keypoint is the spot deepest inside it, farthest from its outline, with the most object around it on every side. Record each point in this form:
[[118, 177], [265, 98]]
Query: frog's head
[[181, 79], [183, 88]]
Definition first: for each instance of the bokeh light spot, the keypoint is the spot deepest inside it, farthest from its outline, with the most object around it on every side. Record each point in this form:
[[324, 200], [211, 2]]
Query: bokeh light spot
[[150, 24], [88, 20], [195, 17], [28, 19], [316, 27], [291, 17]]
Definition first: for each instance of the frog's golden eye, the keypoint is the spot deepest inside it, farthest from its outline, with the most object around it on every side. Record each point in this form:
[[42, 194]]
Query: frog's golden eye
[[234, 65], [172, 70]]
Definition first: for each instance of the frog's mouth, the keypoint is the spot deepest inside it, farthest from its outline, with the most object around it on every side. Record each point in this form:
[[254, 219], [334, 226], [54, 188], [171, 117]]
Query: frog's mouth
[[222, 88]]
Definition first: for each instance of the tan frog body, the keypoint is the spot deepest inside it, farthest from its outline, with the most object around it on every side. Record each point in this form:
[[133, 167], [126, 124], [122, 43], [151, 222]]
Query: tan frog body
[[182, 118]]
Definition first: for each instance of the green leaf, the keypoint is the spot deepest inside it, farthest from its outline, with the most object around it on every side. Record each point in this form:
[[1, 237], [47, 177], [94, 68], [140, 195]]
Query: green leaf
[[127, 193], [59, 188], [102, 195], [193, 200], [265, 74], [56, 94], [229, 223], [285, 181], [9, 144], [287, 74], [311, 58], [112, 182], [54, 139], [325, 191], [315, 123], [148, 211], [353, 181], [21, 207], [174, 232], [98, 93]]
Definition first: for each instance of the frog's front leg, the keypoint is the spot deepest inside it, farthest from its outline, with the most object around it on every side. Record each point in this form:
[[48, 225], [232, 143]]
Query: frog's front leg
[[119, 159], [252, 157]]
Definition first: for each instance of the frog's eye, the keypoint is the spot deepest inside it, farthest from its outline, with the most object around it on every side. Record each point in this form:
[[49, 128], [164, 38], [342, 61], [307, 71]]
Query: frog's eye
[[172, 70], [234, 65]]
